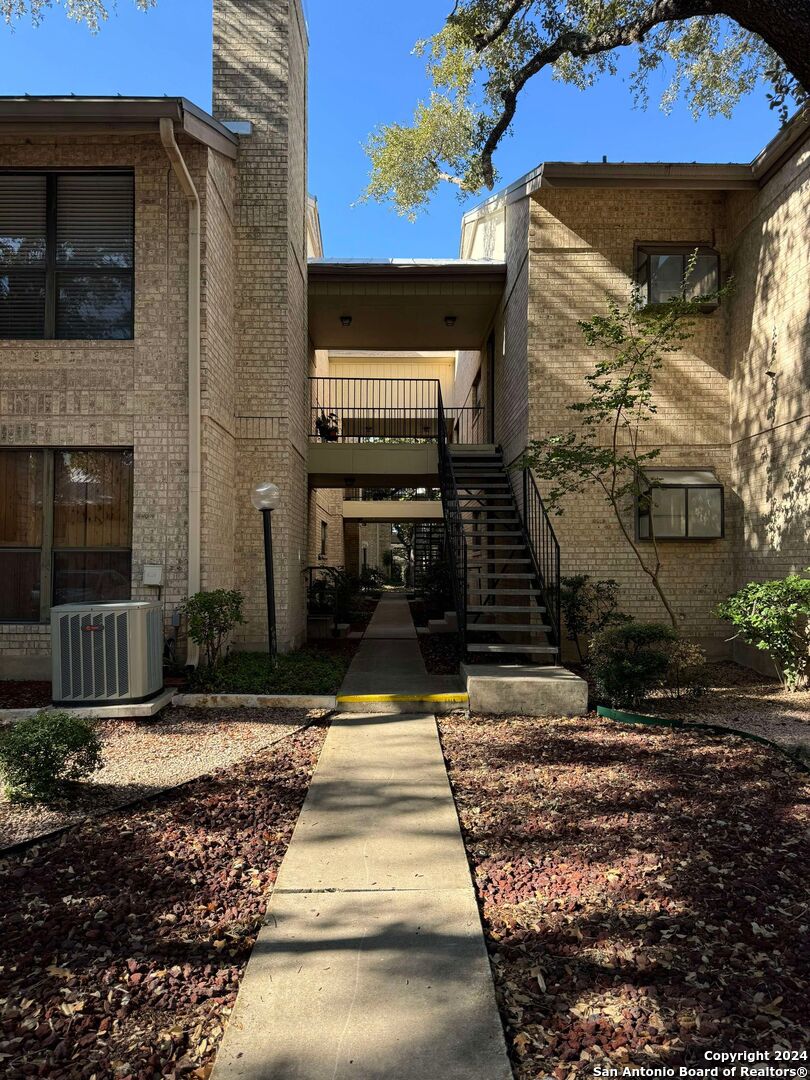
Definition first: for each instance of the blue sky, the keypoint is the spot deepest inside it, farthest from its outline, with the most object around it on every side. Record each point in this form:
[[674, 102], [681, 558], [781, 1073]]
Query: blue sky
[[362, 74]]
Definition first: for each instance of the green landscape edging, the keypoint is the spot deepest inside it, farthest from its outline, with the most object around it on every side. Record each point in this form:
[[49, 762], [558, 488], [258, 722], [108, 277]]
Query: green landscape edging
[[711, 729]]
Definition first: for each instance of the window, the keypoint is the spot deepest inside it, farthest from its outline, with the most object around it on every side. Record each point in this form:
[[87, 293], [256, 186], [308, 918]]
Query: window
[[660, 271], [323, 540], [65, 529], [66, 255], [681, 504]]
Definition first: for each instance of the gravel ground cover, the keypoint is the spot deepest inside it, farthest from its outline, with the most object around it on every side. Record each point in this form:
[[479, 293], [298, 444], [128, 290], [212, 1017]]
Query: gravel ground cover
[[740, 698], [643, 891], [124, 939], [145, 756]]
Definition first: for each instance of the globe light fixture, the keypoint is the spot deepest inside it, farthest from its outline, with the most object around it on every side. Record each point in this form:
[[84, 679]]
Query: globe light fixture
[[266, 497]]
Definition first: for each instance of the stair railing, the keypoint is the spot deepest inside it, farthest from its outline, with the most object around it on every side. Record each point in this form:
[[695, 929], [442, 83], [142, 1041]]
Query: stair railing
[[453, 522], [544, 549]]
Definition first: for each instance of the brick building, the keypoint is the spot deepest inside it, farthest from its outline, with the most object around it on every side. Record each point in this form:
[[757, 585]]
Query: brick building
[[165, 344]]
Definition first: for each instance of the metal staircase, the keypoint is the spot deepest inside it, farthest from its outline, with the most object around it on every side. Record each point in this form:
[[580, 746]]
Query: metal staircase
[[503, 554]]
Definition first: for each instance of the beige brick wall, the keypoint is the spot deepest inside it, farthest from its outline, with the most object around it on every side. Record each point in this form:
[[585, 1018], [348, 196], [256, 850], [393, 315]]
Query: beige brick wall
[[511, 339], [769, 332], [110, 394], [581, 250], [260, 75]]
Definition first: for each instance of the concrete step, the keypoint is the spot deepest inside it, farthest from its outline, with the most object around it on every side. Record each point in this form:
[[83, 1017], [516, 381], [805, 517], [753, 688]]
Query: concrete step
[[525, 690], [505, 576], [508, 628]]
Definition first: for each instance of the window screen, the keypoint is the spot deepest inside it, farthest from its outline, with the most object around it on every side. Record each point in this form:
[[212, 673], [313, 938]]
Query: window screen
[[66, 255]]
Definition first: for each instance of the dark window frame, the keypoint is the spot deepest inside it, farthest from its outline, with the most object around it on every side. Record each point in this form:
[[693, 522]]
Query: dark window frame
[[48, 550], [51, 268], [686, 488], [643, 249]]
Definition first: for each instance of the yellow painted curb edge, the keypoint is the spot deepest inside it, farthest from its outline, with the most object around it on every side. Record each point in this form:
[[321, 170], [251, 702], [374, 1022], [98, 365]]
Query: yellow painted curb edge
[[357, 698]]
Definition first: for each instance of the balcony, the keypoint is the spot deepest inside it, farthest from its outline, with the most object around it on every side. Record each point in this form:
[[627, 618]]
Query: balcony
[[383, 432], [388, 411]]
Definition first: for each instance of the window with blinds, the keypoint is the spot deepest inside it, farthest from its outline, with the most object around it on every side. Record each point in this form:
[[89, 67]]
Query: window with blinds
[[65, 529], [66, 255]]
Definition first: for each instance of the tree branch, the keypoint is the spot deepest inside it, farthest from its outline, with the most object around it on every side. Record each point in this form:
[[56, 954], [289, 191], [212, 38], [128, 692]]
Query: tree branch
[[582, 46]]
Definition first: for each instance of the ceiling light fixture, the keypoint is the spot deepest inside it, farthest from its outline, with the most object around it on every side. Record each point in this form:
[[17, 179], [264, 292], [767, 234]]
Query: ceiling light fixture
[[450, 320], [345, 320]]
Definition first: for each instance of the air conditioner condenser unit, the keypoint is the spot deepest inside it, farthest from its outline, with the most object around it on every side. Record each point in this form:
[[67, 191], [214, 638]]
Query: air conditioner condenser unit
[[107, 654]]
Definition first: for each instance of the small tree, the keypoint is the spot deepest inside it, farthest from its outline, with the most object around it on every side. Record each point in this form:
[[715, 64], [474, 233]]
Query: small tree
[[607, 450], [775, 616], [589, 606], [212, 617]]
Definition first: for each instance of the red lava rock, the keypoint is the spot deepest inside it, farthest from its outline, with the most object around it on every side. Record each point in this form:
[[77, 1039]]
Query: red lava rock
[[597, 853], [136, 974]]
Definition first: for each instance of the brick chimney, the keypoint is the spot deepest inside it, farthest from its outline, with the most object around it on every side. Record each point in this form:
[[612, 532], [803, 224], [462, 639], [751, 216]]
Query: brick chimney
[[260, 75]]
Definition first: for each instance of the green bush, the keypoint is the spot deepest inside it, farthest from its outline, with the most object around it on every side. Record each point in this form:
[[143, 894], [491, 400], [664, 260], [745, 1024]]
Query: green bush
[[334, 592], [304, 672], [687, 674], [774, 616], [589, 606], [42, 754], [371, 579], [212, 617], [630, 660]]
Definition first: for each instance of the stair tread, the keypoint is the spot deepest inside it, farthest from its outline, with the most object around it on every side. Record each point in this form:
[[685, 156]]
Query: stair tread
[[513, 648], [514, 609], [508, 628], [504, 592]]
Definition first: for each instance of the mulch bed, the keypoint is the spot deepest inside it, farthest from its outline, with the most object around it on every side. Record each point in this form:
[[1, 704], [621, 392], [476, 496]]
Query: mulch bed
[[643, 891], [24, 695], [125, 939], [440, 653]]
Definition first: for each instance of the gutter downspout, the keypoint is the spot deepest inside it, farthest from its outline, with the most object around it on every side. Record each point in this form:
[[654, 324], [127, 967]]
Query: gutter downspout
[[194, 441]]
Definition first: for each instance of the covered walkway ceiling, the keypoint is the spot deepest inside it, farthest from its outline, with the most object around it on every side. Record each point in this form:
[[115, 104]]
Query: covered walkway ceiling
[[403, 304]]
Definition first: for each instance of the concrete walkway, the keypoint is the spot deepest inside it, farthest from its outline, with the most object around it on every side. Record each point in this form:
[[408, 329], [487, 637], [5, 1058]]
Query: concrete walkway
[[389, 660], [371, 964]]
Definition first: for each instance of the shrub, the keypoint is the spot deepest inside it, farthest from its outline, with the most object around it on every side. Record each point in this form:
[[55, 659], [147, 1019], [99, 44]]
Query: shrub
[[303, 672], [40, 755], [212, 617], [588, 607], [630, 660], [687, 674], [774, 616], [372, 579]]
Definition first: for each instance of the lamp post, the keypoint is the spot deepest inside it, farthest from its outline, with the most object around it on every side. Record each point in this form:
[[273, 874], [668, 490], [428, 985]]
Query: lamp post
[[266, 497]]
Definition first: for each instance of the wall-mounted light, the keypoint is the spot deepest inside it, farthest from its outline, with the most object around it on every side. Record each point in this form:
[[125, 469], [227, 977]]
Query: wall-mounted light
[[450, 320], [345, 320]]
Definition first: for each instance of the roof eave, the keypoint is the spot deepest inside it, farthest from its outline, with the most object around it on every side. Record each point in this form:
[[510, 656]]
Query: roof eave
[[104, 115]]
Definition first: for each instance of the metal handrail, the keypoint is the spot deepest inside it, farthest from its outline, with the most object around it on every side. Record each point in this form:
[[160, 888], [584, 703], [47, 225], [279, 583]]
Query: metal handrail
[[453, 523], [544, 549], [349, 409]]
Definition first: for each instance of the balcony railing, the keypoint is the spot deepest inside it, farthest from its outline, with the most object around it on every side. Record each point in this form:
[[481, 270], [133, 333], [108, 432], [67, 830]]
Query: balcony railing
[[387, 410]]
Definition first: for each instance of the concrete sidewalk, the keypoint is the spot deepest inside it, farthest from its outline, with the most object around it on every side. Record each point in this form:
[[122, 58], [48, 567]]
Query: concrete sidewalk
[[371, 964], [389, 660]]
